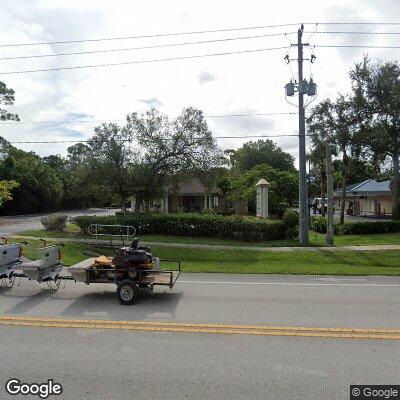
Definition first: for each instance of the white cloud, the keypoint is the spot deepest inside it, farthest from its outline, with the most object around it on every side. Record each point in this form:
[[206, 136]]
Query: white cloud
[[205, 77], [251, 81]]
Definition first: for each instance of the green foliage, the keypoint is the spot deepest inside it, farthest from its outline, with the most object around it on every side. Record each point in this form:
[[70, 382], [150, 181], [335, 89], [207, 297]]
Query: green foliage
[[283, 186], [290, 218], [377, 92], [214, 211], [252, 154], [318, 224], [7, 98], [5, 191], [191, 224], [170, 147], [54, 222], [277, 209], [40, 188], [369, 227]]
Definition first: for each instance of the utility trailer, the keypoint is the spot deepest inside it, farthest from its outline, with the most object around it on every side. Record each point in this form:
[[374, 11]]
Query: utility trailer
[[131, 268], [128, 280]]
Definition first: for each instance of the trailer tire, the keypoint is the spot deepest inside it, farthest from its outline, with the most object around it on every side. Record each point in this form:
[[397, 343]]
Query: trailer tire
[[127, 292]]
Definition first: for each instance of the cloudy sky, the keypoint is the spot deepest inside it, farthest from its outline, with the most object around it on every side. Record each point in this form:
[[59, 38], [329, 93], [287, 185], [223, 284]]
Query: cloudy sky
[[247, 83]]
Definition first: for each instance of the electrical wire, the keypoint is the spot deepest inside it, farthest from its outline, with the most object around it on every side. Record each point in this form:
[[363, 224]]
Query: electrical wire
[[356, 46], [145, 47], [146, 36], [122, 120], [355, 23], [139, 61], [353, 33], [215, 137]]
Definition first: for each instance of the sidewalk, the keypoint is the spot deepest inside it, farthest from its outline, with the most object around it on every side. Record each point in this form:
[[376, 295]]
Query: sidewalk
[[380, 247]]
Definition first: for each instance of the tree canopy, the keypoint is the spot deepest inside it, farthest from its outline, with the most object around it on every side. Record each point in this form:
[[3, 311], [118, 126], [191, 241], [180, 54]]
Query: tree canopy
[[260, 152]]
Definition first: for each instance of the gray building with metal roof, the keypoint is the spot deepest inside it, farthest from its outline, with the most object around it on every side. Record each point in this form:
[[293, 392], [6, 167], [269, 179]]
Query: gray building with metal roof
[[370, 197]]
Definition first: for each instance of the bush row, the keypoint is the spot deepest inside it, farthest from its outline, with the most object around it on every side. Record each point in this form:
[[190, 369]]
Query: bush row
[[318, 224], [191, 224]]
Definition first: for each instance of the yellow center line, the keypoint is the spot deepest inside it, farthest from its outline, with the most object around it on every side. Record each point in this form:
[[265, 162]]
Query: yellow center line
[[234, 329]]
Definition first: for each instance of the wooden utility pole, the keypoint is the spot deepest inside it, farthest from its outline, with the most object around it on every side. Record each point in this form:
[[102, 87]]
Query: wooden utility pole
[[303, 200], [329, 192]]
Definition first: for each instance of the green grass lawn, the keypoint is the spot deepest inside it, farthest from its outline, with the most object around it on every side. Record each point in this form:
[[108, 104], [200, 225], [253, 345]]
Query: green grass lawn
[[316, 239], [246, 261]]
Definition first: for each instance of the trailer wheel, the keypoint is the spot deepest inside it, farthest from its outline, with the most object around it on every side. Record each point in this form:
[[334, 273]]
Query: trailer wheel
[[127, 292]]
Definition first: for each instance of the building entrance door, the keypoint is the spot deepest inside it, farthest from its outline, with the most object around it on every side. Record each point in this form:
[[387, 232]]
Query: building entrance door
[[189, 203]]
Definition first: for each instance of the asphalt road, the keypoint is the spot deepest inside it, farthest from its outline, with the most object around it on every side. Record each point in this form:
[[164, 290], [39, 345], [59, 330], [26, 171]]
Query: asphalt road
[[121, 364], [19, 223]]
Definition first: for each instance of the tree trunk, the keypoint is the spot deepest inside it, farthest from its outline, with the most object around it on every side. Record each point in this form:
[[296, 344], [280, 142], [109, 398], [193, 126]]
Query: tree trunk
[[344, 184], [395, 184], [137, 204], [322, 190], [123, 204]]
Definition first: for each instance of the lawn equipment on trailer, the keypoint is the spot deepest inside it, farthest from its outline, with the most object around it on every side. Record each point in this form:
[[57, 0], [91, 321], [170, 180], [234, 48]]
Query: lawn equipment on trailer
[[10, 257], [47, 269], [131, 268]]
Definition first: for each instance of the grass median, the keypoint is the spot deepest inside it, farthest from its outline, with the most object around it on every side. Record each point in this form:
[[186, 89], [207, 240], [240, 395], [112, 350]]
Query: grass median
[[316, 239], [238, 261]]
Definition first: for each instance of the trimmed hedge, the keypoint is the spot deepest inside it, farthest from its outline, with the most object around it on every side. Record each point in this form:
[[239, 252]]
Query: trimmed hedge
[[367, 227], [192, 224], [318, 224]]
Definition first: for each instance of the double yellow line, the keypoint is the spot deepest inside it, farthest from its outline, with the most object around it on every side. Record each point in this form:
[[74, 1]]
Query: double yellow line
[[226, 329]]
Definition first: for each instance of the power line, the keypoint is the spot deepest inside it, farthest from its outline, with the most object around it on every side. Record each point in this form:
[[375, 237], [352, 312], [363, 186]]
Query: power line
[[215, 137], [146, 36], [122, 120], [145, 47], [186, 58], [250, 115], [354, 23], [356, 46], [353, 33], [139, 61]]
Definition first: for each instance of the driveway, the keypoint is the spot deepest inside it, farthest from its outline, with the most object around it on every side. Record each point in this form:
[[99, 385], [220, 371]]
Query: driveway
[[18, 223]]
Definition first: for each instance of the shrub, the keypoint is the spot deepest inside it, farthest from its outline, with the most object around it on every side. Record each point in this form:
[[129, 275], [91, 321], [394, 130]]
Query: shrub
[[277, 209], [194, 224], [368, 227], [215, 211], [290, 218], [318, 224], [54, 222]]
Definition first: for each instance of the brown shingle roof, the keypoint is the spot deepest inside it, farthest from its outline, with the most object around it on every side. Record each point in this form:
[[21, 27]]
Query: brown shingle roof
[[194, 186]]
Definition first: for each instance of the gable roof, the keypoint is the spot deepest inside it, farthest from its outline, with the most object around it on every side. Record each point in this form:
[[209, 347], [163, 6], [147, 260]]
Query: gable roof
[[192, 187], [367, 187]]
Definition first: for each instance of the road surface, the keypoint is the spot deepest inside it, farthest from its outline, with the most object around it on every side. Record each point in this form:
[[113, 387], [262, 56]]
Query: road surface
[[19, 223], [120, 363]]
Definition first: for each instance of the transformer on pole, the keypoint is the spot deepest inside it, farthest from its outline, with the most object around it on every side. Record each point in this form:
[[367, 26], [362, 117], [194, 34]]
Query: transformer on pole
[[303, 87]]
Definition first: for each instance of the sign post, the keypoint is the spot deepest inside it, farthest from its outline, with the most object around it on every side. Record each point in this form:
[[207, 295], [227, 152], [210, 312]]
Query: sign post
[[262, 198]]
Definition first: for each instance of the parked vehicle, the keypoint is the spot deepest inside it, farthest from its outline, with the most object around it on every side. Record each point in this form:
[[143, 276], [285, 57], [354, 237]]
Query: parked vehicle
[[319, 206]]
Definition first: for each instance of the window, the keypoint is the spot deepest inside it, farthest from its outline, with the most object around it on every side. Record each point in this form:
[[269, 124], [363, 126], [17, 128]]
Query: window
[[215, 201]]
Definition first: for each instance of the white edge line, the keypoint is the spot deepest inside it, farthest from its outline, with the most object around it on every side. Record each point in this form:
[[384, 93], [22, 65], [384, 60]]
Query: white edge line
[[290, 283]]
